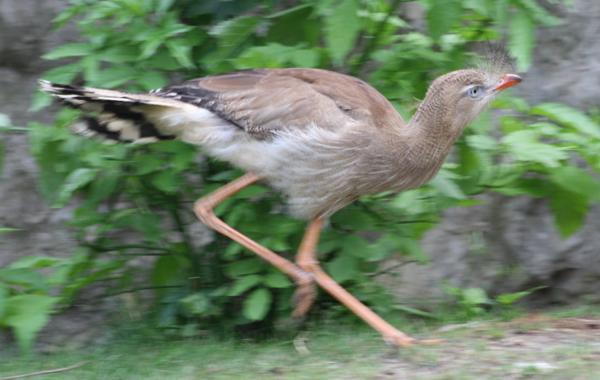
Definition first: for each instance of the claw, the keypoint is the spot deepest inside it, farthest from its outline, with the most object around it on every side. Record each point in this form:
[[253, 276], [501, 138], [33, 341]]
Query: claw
[[399, 340], [402, 340]]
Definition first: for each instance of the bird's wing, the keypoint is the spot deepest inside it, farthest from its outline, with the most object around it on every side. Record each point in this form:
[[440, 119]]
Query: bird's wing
[[262, 102]]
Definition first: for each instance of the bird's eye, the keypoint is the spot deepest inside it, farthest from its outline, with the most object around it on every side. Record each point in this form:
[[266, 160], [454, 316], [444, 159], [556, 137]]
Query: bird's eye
[[475, 92]]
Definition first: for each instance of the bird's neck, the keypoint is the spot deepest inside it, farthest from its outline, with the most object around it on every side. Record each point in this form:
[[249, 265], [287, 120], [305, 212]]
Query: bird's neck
[[431, 131]]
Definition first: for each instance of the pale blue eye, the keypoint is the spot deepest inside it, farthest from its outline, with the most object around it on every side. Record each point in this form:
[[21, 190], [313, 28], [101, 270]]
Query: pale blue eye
[[475, 92]]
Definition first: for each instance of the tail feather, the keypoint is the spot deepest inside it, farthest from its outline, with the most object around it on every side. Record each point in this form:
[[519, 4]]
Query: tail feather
[[115, 115]]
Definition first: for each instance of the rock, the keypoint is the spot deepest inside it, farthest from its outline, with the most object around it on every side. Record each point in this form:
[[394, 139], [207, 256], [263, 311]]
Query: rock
[[25, 34], [511, 244]]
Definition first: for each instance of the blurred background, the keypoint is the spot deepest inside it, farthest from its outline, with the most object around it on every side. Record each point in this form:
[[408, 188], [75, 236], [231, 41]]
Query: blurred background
[[90, 233]]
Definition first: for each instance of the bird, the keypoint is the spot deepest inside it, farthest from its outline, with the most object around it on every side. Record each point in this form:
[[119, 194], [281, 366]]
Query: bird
[[319, 137]]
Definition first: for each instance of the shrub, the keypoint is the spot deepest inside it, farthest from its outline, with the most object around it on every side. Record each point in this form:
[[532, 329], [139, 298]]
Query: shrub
[[136, 200]]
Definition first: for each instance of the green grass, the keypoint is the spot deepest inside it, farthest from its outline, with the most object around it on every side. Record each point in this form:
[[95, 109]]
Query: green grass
[[487, 348], [142, 355]]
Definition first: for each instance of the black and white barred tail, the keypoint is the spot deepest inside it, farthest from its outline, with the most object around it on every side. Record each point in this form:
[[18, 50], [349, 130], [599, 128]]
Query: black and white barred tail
[[115, 115]]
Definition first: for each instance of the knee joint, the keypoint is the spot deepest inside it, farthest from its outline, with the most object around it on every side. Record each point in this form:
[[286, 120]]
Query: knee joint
[[204, 211]]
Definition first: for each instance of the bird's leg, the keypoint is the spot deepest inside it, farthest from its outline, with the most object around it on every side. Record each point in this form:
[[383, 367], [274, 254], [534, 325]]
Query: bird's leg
[[306, 258], [310, 270], [204, 211], [307, 261]]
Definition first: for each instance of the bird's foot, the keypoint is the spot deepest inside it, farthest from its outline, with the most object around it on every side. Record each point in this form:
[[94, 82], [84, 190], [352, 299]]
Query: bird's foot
[[304, 297], [400, 339]]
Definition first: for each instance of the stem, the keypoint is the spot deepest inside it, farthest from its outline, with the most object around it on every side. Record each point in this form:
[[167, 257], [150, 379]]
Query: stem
[[146, 254], [374, 41], [387, 221], [124, 246], [391, 269], [13, 129], [44, 372], [132, 290], [181, 228]]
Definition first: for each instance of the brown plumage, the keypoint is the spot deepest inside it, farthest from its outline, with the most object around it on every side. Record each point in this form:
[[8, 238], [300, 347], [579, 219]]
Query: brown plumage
[[321, 138]]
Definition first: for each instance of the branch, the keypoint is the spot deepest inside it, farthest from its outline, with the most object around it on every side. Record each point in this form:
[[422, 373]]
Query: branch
[[14, 129], [102, 248], [44, 372], [391, 268], [137, 290]]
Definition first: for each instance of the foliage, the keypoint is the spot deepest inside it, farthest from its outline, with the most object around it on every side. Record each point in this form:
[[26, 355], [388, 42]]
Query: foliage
[[26, 299], [474, 302], [135, 200]]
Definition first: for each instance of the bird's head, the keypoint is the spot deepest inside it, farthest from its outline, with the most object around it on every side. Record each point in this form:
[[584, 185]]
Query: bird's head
[[455, 99]]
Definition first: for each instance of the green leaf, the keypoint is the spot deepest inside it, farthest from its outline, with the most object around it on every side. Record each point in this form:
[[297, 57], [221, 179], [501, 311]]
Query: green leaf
[[119, 54], [276, 55], [276, 279], [145, 222], [524, 145], [300, 19], [182, 52], [167, 181], [569, 116], [8, 229], [538, 13], [40, 100], [25, 277], [354, 218], [168, 270], [3, 301], [445, 185], [483, 7], [482, 142], [151, 79], [511, 298], [77, 49], [576, 180], [343, 268], [342, 26], [474, 296], [232, 33], [412, 311], [62, 74], [521, 39], [200, 304], [357, 246], [26, 314], [76, 180], [304, 58], [244, 283], [104, 187], [35, 262], [251, 192], [569, 210], [163, 6], [257, 305], [441, 16], [243, 267], [113, 76]]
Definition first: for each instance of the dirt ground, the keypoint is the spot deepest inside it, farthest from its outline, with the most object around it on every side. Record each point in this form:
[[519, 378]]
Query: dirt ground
[[533, 347], [530, 347]]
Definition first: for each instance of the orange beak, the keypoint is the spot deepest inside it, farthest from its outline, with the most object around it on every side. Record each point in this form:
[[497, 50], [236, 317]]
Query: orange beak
[[508, 80]]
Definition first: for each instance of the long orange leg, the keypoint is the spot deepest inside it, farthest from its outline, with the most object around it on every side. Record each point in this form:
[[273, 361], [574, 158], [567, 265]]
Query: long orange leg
[[306, 259], [204, 211]]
